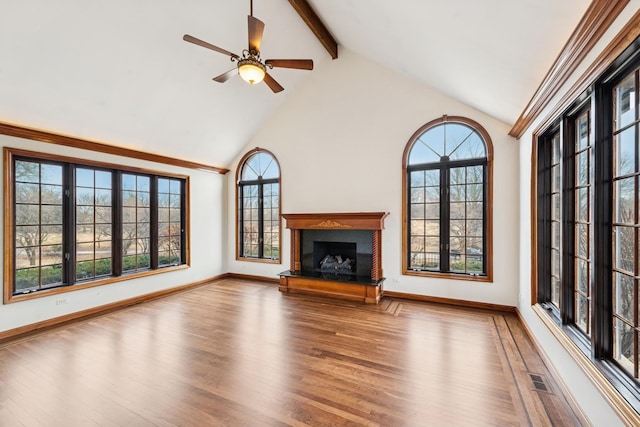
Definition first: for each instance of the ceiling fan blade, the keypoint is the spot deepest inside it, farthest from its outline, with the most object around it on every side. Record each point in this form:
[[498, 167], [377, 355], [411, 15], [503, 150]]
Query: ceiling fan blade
[[256, 28], [202, 43], [298, 64], [273, 85], [226, 76]]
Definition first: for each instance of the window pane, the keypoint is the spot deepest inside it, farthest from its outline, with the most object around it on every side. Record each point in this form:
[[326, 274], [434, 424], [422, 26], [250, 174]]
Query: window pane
[[475, 228], [432, 211], [582, 204], [51, 194], [143, 199], [84, 233], [582, 132], [52, 275], [582, 278], [27, 193], [625, 152], [27, 256], [582, 313], [51, 174], [51, 254], [27, 171], [51, 234], [128, 182], [623, 337], [625, 102], [85, 270], [84, 178], [474, 210], [457, 210], [142, 183], [84, 215], [582, 240], [129, 198], [624, 294], [417, 179], [624, 248], [103, 179], [28, 235], [624, 200], [260, 165], [458, 176], [582, 168], [27, 214], [457, 228]]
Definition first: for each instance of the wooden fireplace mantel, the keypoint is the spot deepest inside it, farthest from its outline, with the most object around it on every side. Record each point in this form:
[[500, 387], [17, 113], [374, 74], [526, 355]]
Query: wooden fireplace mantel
[[350, 220], [294, 281]]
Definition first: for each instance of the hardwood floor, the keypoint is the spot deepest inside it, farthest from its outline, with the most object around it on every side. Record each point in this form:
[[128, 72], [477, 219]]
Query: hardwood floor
[[239, 353]]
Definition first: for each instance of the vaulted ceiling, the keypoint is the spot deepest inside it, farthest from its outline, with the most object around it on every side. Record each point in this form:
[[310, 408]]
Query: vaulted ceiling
[[119, 72]]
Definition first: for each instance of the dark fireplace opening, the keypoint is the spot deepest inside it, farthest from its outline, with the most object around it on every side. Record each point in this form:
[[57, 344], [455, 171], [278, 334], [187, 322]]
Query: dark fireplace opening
[[336, 257], [356, 245]]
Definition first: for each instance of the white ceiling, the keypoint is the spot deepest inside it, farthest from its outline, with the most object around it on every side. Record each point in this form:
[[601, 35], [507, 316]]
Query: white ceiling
[[119, 72]]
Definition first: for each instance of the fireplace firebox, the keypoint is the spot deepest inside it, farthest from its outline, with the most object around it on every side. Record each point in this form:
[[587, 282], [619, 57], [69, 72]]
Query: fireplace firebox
[[336, 255]]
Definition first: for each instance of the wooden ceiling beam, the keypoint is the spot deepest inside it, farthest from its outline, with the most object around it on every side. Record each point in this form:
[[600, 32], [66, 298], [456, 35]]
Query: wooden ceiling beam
[[316, 25]]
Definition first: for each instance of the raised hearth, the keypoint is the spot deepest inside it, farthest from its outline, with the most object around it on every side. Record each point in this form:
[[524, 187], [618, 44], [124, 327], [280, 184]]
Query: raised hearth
[[336, 255]]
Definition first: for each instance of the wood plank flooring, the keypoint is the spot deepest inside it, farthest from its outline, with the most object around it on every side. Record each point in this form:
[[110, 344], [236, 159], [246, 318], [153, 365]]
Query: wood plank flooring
[[239, 353]]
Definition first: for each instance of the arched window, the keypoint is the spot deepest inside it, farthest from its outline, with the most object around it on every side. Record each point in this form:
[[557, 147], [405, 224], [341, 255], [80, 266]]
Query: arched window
[[447, 200], [258, 209]]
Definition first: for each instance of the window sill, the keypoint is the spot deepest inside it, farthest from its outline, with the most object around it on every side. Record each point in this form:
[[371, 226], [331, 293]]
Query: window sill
[[260, 260], [593, 369], [9, 299], [449, 276]]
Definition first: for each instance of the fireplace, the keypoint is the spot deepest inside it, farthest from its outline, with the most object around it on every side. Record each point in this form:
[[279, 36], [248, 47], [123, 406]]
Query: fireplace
[[336, 254]]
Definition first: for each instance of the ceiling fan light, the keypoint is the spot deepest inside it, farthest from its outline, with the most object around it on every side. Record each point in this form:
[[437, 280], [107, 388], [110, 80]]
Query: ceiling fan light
[[251, 71]]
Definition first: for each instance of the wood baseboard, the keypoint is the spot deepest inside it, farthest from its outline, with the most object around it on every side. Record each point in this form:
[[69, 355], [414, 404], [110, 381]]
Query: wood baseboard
[[252, 277], [21, 331], [451, 301]]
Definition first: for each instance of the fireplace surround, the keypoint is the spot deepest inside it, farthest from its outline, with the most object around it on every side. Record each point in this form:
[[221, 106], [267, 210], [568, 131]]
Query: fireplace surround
[[337, 236]]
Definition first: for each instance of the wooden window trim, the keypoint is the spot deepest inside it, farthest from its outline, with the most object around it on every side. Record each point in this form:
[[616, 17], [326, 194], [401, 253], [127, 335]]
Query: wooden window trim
[[489, 211], [237, 211], [9, 262], [70, 141]]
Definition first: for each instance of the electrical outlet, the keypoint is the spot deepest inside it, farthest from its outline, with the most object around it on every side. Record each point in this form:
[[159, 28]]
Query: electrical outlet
[[61, 301]]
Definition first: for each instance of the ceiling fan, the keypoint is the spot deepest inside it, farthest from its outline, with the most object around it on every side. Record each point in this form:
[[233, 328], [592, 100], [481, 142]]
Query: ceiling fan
[[250, 66]]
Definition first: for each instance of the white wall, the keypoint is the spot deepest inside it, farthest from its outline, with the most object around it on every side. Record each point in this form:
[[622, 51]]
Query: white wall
[[339, 140], [208, 255], [591, 401]]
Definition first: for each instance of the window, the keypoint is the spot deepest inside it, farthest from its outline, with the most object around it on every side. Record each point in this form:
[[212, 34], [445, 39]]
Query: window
[[626, 224], [79, 224], [447, 216], [38, 223], [170, 234], [93, 223], [588, 224], [136, 222], [258, 210]]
